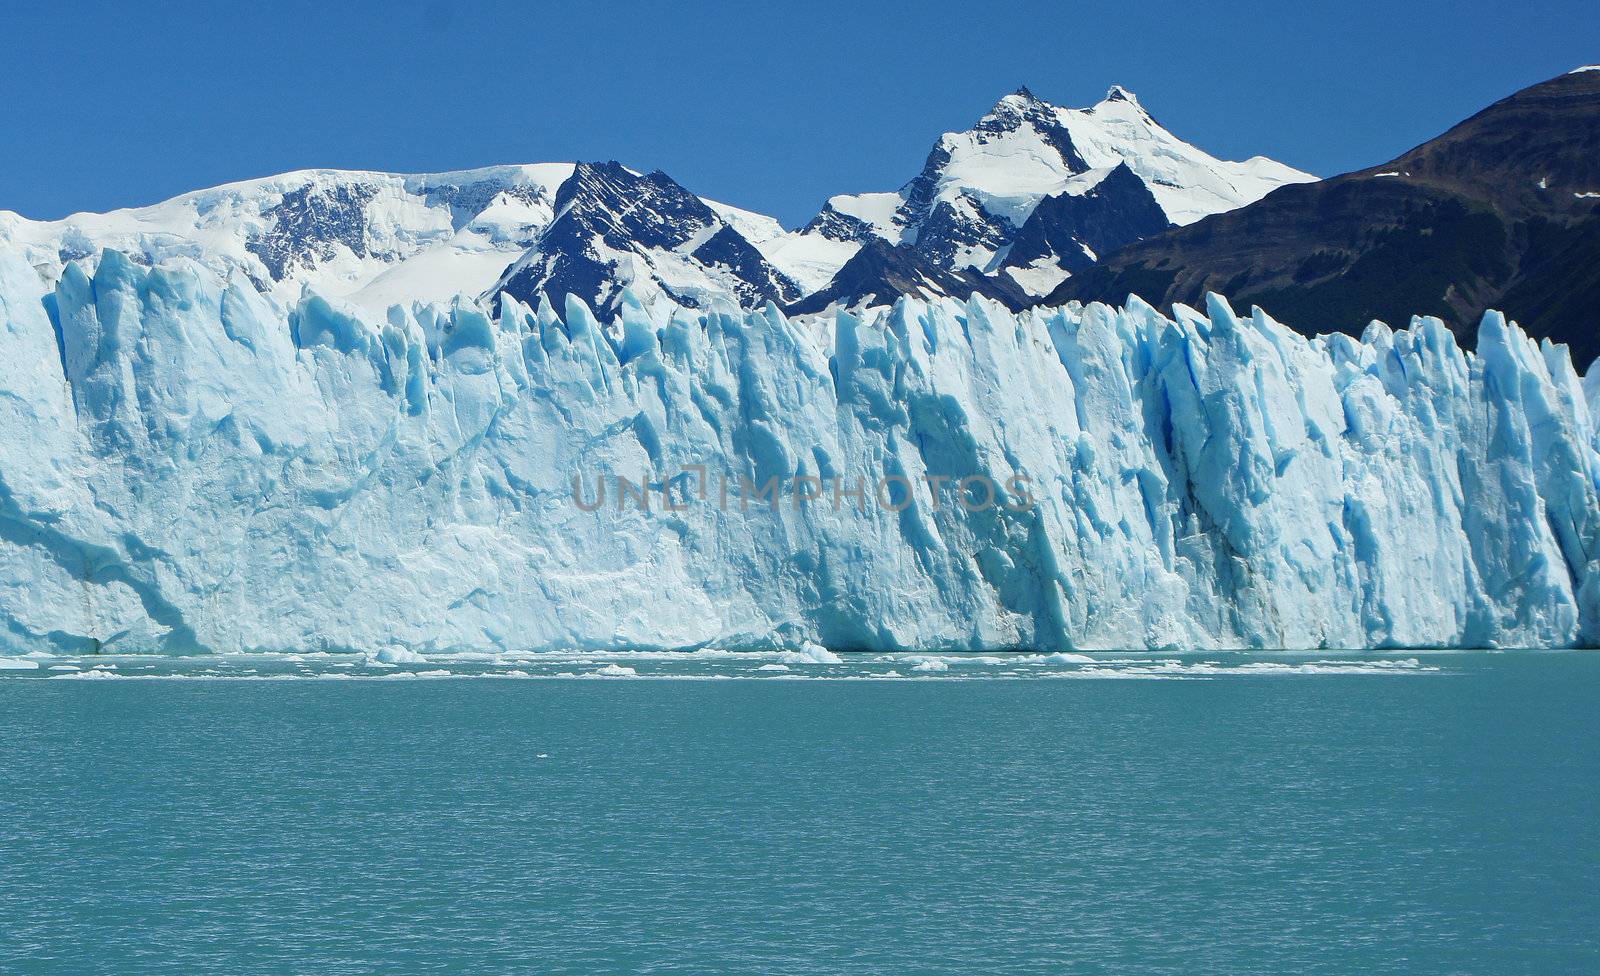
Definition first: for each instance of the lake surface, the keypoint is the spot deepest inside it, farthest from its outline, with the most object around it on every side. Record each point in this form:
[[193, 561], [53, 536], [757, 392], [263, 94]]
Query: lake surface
[[1329, 813]]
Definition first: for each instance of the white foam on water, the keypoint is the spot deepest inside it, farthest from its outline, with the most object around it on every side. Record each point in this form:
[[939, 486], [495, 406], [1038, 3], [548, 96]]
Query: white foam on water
[[714, 664]]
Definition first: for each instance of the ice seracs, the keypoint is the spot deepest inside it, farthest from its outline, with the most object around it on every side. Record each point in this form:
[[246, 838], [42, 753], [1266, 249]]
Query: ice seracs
[[187, 465]]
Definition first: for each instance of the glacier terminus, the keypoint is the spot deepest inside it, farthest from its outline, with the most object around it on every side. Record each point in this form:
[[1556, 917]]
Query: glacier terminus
[[191, 465]]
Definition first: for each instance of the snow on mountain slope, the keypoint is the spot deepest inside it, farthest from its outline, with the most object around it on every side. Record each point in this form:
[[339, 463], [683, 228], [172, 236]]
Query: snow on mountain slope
[[754, 227], [408, 237], [1488, 214], [1066, 233], [879, 272], [373, 239], [616, 229], [979, 186], [850, 216], [1188, 182], [382, 239], [187, 466], [810, 260]]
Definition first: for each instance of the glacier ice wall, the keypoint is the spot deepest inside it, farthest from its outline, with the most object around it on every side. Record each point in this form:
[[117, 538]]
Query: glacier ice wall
[[187, 466]]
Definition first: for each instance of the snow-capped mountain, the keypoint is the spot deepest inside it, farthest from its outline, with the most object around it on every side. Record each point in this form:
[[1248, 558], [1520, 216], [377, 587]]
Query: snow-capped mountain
[[615, 229], [1500, 211], [381, 239], [1028, 162], [1032, 193], [374, 239]]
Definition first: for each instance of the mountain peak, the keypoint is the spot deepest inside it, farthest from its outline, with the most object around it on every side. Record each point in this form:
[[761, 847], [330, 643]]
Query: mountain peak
[[1019, 104], [615, 229], [1493, 213], [1117, 93]]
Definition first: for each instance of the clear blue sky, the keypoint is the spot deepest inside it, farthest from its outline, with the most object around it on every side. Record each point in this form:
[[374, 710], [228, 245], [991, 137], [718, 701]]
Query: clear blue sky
[[770, 106]]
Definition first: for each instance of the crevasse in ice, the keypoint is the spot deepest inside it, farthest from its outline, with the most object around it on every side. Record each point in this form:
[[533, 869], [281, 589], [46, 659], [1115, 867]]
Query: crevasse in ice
[[186, 466]]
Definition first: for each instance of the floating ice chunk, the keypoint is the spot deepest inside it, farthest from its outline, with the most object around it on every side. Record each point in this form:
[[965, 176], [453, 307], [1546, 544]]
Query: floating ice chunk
[[809, 654], [399, 655], [17, 664], [616, 671]]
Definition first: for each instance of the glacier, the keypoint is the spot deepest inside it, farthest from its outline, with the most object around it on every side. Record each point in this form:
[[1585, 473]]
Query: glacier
[[190, 465]]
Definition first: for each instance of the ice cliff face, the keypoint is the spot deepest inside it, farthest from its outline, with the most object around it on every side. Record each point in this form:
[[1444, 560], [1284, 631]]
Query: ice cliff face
[[185, 465]]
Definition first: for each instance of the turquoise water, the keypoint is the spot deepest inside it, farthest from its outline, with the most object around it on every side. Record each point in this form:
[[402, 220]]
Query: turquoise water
[[1435, 814]]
